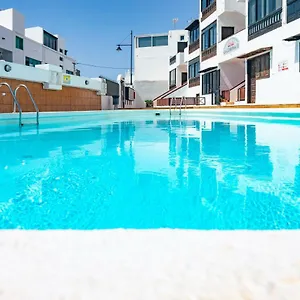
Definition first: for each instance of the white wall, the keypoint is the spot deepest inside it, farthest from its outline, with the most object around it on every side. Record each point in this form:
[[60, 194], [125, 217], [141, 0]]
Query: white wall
[[152, 65], [48, 73], [8, 36], [237, 20], [6, 18], [107, 103], [36, 34], [13, 24]]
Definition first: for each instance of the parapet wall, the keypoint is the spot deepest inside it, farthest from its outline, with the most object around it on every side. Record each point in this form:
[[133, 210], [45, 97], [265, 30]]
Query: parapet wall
[[51, 89]]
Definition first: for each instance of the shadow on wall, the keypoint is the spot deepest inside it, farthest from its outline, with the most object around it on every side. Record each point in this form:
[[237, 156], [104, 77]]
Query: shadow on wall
[[149, 90]]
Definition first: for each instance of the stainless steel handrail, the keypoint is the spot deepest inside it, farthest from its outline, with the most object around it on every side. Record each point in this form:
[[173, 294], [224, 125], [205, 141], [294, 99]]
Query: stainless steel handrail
[[181, 101], [16, 102], [31, 98]]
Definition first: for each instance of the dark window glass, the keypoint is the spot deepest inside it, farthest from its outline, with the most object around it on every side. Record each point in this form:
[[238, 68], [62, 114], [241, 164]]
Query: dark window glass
[[61, 59], [160, 40], [172, 79], [181, 46], [210, 82], [31, 62], [227, 32], [209, 36], [194, 34], [19, 43], [50, 41], [194, 68], [206, 3], [144, 42]]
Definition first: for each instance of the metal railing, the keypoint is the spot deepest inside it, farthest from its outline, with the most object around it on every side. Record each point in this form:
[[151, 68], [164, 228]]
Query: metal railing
[[267, 24], [15, 100], [31, 98]]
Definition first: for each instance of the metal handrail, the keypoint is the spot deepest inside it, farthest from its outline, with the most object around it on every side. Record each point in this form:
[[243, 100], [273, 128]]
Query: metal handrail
[[181, 101], [16, 102], [31, 98]]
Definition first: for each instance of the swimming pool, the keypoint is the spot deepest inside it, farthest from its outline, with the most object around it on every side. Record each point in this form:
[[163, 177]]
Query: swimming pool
[[106, 170]]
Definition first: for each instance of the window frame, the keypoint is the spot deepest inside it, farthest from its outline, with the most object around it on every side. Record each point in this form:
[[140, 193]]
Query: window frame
[[194, 68]]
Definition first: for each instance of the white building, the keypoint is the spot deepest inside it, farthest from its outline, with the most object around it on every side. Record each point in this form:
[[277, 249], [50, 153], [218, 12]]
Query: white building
[[153, 75], [250, 51], [31, 46]]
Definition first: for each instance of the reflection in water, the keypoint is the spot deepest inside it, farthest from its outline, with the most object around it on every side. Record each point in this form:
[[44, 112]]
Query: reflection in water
[[153, 174]]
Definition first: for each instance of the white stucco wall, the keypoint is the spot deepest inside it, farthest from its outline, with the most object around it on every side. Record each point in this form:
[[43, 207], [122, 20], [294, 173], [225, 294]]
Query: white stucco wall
[[12, 25]]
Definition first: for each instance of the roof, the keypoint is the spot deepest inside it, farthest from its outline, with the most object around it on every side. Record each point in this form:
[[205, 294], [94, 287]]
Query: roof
[[193, 24]]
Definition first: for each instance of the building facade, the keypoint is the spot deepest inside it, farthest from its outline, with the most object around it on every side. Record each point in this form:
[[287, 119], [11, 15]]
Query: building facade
[[31, 46], [156, 68]]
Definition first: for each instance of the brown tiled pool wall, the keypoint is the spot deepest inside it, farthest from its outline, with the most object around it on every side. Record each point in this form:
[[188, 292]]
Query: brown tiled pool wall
[[67, 99]]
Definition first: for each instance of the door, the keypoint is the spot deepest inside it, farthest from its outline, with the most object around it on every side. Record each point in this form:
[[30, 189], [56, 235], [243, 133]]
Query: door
[[251, 70], [183, 78]]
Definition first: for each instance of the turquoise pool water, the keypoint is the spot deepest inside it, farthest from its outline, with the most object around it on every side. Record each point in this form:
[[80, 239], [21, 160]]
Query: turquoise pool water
[[118, 170]]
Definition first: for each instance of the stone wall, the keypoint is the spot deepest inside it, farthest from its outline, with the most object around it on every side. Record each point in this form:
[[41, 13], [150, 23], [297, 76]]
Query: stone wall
[[67, 99]]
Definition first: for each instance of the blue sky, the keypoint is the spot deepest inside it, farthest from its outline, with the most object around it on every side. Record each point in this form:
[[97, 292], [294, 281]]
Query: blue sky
[[92, 28]]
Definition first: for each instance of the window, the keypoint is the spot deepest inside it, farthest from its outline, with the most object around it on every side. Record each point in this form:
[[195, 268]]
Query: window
[[172, 79], [31, 62], [66, 52], [206, 3], [293, 10], [152, 41], [209, 36], [227, 32], [194, 68], [144, 42], [160, 40], [210, 82], [194, 34], [61, 66], [262, 66], [182, 37], [259, 9], [61, 59], [69, 72], [19, 43], [50, 41], [61, 50], [181, 46]]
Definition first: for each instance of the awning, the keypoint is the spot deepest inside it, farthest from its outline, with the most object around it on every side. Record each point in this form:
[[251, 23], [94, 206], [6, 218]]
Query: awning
[[192, 25], [255, 52], [293, 38], [208, 69]]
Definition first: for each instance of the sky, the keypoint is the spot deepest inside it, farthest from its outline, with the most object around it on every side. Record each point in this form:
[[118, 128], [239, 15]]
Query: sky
[[93, 28]]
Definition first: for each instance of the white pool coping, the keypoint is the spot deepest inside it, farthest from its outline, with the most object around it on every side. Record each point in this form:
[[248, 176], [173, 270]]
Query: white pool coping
[[149, 265]]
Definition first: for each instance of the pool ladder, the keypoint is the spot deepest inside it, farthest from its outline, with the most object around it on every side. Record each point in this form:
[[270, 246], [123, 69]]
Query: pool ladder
[[17, 103], [182, 100]]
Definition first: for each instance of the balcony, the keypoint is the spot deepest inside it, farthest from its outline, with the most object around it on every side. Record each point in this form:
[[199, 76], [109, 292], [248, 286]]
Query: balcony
[[206, 12], [265, 25], [194, 46], [194, 81], [172, 60], [208, 53]]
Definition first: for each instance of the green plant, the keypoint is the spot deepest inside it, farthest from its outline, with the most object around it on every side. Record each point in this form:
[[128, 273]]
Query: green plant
[[149, 103]]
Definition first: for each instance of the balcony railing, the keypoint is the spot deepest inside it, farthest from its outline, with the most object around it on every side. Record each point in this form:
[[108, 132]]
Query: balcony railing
[[173, 60], [293, 10], [194, 81], [194, 46], [265, 25], [208, 53], [206, 12]]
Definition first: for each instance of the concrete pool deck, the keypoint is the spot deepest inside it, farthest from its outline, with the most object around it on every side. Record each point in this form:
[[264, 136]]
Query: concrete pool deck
[[153, 264]]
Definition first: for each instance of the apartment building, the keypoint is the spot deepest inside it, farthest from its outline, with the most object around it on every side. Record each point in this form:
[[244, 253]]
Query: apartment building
[[250, 51], [31, 46], [158, 63]]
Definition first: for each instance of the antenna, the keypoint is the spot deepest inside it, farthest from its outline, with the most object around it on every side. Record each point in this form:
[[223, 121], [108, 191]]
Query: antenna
[[175, 20]]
